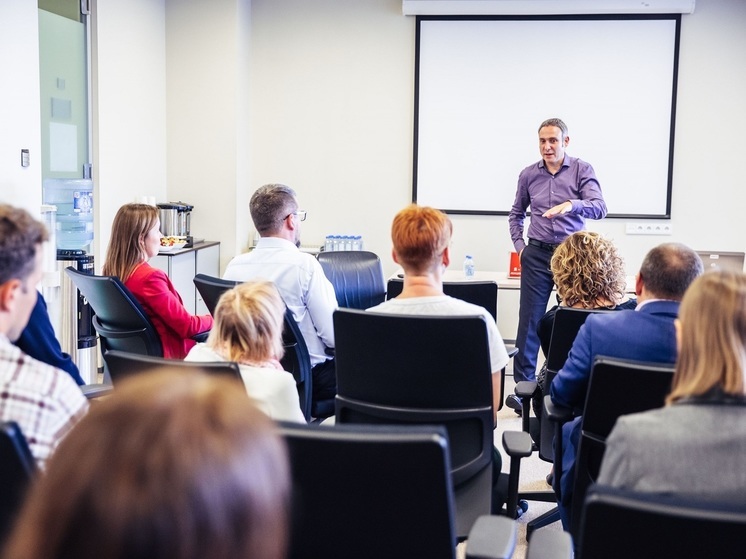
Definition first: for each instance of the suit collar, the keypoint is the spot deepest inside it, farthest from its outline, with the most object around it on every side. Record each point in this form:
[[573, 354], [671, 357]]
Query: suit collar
[[660, 307]]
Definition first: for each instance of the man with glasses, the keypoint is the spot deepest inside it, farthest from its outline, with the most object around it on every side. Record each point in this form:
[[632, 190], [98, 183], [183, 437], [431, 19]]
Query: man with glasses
[[298, 276]]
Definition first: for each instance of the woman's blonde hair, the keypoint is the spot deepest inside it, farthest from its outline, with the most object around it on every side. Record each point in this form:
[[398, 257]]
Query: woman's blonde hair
[[248, 323], [126, 245], [588, 271], [712, 338], [173, 464]]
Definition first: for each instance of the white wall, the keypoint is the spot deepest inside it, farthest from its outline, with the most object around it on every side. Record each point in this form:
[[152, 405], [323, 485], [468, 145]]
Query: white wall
[[333, 115], [331, 112], [20, 119], [207, 102], [129, 106]]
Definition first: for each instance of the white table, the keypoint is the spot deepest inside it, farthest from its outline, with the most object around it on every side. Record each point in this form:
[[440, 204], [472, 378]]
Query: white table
[[508, 296]]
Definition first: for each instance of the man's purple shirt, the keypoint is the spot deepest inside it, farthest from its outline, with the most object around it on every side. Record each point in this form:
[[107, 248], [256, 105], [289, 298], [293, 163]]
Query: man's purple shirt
[[576, 181]]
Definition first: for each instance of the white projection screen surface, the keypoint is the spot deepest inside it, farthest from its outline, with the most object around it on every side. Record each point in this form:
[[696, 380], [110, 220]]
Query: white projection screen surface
[[483, 86]]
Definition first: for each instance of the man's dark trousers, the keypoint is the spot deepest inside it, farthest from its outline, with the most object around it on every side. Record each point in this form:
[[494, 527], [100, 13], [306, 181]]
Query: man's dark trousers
[[536, 288]]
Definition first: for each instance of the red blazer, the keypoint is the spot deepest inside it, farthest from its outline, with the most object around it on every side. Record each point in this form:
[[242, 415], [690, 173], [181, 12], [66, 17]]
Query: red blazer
[[157, 295]]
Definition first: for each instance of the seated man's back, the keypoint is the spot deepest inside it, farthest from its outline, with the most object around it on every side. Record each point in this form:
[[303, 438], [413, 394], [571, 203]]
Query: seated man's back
[[300, 280]]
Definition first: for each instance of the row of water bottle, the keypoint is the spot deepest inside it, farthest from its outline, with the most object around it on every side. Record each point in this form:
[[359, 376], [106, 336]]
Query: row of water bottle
[[335, 243]]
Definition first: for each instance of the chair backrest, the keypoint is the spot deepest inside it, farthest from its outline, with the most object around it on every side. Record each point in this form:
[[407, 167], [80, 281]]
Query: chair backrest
[[357, 277], [621, 524], [482, 293], [420, 370], [120, 321], [296, 360], [616, 387], [370, 491], [567, 323], [122, 365], [210, 289], [17, 469]]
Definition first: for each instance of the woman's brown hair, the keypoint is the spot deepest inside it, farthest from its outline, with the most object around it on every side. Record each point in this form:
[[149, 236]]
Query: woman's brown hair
[[126, 245], [173, 465]]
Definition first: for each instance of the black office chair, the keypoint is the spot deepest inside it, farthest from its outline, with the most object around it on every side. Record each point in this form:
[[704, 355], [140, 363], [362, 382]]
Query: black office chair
[[616, 387], [482, 293], [122, 365], [357, 277], [372, 491], [296, 360], [567, 323], [120, 321], [17, 471], [423, 369], [621, 524], [210, 289]]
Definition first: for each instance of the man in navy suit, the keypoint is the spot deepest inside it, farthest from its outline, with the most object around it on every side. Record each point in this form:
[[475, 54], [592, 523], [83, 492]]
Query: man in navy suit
[[644, 334]]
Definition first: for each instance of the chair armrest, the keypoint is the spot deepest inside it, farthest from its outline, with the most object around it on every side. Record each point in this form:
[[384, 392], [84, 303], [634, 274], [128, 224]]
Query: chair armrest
[[201, 337], [517, 444], [512, 352], [93, 391], [525, 388], [550, 544], [555, 412], [491, 537]]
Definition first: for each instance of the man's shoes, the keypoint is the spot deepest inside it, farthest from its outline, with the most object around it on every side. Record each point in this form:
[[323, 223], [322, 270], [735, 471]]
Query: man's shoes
[[514, 403], [521, 508], [550, 478]]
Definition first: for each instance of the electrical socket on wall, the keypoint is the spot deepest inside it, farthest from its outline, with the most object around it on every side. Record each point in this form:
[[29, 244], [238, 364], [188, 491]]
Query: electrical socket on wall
[[649, 229]]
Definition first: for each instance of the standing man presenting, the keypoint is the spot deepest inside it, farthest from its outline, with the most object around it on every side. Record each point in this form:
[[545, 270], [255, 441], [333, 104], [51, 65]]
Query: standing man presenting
[[561, 192]]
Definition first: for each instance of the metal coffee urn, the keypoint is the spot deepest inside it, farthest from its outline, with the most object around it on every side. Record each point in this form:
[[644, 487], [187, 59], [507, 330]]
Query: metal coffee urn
[[78, 337]]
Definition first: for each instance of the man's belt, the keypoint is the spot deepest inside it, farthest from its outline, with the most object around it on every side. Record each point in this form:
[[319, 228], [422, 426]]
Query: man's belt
[[543, 246]]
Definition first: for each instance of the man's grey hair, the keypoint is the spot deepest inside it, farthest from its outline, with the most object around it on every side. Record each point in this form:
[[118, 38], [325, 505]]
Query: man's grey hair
[[269, 205], [669, 269], [555, 122]]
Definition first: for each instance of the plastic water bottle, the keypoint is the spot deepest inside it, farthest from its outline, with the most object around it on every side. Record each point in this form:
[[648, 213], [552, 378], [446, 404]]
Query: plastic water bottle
[[469, 267], [356, 242], [328, 244]]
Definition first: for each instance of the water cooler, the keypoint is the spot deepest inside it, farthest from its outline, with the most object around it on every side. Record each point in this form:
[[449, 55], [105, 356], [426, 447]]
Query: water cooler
[[71, 228], [77, 335]]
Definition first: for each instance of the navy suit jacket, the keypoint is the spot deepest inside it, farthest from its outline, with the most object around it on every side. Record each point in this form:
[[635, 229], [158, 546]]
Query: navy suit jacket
[[645, 334], [38, 340]]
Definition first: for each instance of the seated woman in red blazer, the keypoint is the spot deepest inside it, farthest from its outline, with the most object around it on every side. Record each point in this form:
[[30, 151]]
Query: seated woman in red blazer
[[135, 239]]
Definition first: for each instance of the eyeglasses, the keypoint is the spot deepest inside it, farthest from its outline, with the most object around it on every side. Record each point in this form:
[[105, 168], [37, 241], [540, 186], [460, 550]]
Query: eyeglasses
[[300, 213]]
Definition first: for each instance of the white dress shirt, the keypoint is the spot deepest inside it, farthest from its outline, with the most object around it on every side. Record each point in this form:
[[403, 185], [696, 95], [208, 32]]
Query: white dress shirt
[[301, 281]]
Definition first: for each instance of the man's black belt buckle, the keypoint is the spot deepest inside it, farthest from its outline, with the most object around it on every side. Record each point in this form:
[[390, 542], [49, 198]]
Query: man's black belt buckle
[[543, 246]]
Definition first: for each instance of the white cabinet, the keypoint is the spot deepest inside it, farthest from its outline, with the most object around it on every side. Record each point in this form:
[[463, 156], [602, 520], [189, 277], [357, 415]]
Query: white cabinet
[[181, 267]]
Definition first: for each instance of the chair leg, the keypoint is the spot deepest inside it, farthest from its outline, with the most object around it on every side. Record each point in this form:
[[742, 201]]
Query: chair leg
[[549, 517]]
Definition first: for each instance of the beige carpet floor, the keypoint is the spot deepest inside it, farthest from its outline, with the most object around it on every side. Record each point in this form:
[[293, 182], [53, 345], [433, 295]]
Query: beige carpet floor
[[533, 475]]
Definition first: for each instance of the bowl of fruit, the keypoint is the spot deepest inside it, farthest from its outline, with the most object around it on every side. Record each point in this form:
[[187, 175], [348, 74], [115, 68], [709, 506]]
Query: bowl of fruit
[[172, 244]]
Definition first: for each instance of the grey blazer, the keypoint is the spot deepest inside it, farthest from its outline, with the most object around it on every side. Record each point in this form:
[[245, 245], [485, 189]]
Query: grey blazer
[[692, 447]]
